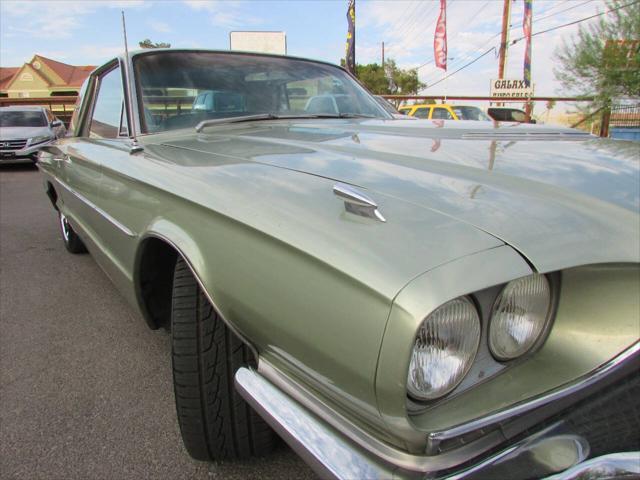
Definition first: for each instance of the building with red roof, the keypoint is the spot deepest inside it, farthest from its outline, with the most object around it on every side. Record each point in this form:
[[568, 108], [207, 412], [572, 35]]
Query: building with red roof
[[42, 77]]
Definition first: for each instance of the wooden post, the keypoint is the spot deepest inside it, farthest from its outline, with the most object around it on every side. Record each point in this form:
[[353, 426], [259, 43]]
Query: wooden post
[[504, 40]]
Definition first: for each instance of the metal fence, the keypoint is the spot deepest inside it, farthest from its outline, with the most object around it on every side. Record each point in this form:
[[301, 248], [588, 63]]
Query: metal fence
[[625, 116], [624, 122]]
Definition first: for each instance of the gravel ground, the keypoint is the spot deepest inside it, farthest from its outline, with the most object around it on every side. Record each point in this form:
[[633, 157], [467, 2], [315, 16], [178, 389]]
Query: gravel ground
[[85, 386]]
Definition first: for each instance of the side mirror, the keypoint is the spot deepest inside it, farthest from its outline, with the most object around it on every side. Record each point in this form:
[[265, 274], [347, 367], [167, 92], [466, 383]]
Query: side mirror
[[56, 123]]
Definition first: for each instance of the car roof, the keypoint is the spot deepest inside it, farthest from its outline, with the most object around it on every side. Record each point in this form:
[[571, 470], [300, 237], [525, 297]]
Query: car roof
[[160, 51], [29, 108]]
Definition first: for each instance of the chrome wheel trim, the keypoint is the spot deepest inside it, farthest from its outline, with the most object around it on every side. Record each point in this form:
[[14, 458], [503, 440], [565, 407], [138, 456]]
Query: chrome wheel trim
[[66, 228]]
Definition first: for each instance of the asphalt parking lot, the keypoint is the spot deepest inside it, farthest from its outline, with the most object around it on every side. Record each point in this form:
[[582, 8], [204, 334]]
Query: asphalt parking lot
[[85, 386]]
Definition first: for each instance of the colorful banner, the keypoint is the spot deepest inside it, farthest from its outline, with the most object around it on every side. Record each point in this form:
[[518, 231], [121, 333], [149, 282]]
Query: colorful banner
[[350, 57], [440, 38], [526, 27]]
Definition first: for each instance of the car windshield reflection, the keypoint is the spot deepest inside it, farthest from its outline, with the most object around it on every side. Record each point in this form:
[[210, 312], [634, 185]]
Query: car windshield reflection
[[181, 90]]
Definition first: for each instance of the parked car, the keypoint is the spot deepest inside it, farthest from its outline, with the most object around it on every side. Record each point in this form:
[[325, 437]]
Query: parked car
[[389, 309], [509, 114], [443, 111], [24, 129], [391, 109]]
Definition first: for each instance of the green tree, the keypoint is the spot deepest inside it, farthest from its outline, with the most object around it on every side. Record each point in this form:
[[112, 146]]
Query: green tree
[[390, 80], [603, 60], [146, 43]]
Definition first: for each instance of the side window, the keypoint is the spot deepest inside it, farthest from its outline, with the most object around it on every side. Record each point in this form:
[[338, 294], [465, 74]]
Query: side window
[[441, 113], [108, 112], [421, 112]]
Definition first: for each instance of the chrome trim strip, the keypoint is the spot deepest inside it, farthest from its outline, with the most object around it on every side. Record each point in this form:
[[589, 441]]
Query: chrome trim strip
[[326, 451], [379, 449], [441, 461], [97, 209], [584, 382], [332, 455], [204, 290]]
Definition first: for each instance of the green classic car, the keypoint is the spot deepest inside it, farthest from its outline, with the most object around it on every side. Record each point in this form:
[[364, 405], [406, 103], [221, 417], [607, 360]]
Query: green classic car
[[394, 299]]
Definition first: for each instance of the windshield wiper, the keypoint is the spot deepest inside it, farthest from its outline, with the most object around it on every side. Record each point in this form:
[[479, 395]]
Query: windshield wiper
[[326, 115], [242, 118], [270, 116]]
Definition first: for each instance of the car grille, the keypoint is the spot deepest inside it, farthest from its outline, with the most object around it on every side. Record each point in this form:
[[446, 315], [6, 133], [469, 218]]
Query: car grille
[[12, 144]]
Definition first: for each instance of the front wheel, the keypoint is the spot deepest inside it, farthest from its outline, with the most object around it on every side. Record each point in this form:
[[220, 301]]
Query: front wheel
[[72, 241], [215, 421]]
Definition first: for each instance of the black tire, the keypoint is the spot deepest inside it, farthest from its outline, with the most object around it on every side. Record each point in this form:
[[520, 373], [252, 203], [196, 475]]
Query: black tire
[[215, 421], [70, 238]]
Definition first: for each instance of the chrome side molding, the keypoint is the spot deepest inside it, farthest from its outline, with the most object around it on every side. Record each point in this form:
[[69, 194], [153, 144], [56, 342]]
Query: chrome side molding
[[357, 202], [124, 229]]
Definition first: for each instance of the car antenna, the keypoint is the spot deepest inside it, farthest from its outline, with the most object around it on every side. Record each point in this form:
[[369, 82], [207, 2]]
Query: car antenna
[[135, 146]]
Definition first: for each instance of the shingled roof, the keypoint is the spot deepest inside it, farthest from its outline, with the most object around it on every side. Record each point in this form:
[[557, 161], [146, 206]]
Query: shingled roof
[[6, 74], [71, 75]]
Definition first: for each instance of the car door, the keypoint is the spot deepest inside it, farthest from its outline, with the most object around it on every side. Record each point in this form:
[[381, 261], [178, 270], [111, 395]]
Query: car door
[[103, 137]]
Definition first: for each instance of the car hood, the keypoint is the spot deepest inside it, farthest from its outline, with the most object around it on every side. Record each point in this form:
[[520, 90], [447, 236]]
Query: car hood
[[20, 133], [560, 197]]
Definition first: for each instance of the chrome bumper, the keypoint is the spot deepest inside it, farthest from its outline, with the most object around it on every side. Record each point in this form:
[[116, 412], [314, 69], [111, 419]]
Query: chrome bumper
[[332, 455]]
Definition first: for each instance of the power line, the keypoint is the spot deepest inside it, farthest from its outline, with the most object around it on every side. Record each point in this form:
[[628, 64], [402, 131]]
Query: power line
[[558, 13], [475, 15], [413, 28], [462, 68], [534, 34], [512, 26], [576, 21]]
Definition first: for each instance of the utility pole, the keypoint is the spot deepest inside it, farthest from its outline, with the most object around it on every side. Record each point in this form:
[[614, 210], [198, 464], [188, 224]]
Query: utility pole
[[382, 54], [504, 39]]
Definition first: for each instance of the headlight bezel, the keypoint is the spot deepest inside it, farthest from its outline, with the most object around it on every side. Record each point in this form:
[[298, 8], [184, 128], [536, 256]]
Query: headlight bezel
[[485, 366]]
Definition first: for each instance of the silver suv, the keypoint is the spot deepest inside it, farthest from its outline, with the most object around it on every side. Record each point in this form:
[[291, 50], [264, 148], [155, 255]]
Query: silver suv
[[24, 130]]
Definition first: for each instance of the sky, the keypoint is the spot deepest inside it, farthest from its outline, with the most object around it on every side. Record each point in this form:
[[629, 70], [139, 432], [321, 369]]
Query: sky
[[89, 32]]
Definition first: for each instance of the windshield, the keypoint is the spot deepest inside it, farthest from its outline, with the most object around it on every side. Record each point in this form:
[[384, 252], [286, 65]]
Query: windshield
[[181, 89], [23, 118], [384, 103], [470, 113]]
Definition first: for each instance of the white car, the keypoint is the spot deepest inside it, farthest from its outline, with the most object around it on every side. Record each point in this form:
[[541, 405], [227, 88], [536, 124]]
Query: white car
[[24, 130]]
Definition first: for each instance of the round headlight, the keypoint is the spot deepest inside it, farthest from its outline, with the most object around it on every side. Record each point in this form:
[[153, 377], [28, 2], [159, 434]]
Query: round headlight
[[519, 316], [445, 347]]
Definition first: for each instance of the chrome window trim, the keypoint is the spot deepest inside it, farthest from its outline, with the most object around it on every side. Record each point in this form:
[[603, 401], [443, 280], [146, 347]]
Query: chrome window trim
[[128, 232], [98, 75]]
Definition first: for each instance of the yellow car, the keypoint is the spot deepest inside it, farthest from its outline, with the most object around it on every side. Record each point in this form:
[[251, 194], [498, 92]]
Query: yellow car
[[443, 111]]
